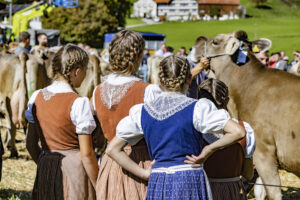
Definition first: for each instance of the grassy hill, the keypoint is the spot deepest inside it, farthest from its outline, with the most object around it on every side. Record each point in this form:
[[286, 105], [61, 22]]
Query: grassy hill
[[281, 24]]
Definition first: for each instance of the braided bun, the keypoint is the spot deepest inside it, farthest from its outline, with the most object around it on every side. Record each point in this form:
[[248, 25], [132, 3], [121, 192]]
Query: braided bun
[[125, 50], [174, 73], [216, 91]]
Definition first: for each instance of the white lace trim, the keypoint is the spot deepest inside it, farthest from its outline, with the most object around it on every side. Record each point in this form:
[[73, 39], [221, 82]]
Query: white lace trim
[[112, 94], [47, 94], [167, 104]]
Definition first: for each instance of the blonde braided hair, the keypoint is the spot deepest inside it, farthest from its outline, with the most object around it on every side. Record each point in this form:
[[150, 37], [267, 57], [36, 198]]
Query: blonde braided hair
[[67, 58], [124, 51], [174, 72]]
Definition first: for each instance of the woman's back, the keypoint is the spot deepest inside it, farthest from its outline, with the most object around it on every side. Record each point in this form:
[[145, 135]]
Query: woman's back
[[53, 114], [169, 133]]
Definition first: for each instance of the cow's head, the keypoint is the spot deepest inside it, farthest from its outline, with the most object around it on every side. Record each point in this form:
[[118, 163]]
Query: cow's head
[[224, 49]]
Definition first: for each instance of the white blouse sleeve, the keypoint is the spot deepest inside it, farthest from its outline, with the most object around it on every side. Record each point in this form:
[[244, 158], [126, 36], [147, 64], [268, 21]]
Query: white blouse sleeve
[[28, 112], [151, 92], [82, 116], [207, 118], [250, 139], [130, 127]]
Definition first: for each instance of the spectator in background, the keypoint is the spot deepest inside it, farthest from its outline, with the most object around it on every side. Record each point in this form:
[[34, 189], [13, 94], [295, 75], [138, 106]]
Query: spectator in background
[[43, 44], [296, 55], [43, 40], [182, 52], [144, 64], [275, 57], [282, 54], [282, 64], [263, 57], [24, 41], [169, 51], [162, 50], [2, 37]]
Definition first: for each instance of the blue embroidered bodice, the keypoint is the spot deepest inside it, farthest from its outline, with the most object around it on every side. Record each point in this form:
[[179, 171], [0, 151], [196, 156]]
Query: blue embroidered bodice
[[171, 138]]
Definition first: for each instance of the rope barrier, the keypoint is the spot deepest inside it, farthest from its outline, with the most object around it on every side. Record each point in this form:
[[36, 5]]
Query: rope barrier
[[281, 186]]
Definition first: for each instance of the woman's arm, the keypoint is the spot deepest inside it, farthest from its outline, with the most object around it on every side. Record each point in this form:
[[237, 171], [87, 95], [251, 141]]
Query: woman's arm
[[32, 139], [248, 168], [234, 132], [114, 150], [88, 157]]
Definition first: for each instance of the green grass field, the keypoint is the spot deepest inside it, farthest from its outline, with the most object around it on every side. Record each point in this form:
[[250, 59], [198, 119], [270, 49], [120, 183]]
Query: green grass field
[[281, 24]]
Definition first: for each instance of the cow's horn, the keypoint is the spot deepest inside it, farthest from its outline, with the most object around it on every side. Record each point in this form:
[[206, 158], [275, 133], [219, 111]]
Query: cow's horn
[[241, 35]]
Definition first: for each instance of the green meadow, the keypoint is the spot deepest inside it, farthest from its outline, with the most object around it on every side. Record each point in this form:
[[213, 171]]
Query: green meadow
[[276, 21]]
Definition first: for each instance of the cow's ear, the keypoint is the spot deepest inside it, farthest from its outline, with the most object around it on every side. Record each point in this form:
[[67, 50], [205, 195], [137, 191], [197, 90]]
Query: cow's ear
[[261, 45], [241, 35], [232, 46], [201, 39]]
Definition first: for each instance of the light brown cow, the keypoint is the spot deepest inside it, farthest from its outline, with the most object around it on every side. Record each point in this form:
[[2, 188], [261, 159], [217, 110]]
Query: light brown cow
[[92, 78], [267, 99], [13, 95], [153, 68]]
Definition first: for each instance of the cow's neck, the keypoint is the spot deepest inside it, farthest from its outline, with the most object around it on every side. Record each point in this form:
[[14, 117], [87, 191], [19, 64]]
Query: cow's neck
[[238, 78]]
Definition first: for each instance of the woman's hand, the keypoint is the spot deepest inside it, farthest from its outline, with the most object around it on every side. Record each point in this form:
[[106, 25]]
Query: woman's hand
[[148, 171], [196, 161], [204, 62]]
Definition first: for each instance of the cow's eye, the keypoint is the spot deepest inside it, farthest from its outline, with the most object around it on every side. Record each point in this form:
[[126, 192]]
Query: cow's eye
[[215, 42]]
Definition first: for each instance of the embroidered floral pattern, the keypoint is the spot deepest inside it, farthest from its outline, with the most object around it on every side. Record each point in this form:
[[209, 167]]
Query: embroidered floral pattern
[[167, 104], [47, 94], [112, 94]]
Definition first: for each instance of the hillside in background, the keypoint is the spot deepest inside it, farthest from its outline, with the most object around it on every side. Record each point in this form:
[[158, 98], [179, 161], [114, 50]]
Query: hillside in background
[[276, 21]]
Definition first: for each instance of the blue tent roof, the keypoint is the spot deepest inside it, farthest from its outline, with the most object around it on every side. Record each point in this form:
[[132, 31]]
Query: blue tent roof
[[147, 36]]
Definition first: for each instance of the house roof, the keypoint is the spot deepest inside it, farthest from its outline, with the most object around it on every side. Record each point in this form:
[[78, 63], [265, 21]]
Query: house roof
[[162, 1], [221, 2]]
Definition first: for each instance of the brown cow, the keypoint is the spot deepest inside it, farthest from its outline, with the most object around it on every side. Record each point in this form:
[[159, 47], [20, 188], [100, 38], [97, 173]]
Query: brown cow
[[13, 95], [268, 99]]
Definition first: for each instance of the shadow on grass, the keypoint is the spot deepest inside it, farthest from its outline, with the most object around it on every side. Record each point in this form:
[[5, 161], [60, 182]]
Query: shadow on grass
[[265, 7], [8, 194]]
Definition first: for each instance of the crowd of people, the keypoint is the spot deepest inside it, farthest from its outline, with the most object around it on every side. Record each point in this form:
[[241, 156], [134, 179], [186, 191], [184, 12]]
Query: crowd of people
[[277, 60], [174, 140]]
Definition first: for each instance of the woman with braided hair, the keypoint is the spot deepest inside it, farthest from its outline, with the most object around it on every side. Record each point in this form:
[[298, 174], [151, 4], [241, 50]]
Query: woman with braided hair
[[225, 166], [63, 122], [112, 100], [172, 125]]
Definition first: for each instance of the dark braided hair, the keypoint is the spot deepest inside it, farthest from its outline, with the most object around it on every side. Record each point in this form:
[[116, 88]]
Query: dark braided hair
[[174, 72], [66, 59], [124, 51], [216, 91]]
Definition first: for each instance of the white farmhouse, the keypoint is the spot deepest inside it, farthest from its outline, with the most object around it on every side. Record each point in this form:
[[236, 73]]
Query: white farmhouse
[[172, 10], [144, 9]]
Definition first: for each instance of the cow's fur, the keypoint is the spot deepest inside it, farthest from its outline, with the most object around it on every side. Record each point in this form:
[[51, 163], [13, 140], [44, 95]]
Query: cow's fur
[[268, 99], [153, 68], [13, 95], [92, 78]]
